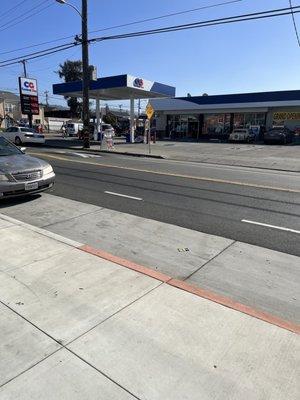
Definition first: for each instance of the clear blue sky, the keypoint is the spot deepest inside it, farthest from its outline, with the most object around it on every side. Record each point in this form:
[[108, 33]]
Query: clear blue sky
[[244, 57]]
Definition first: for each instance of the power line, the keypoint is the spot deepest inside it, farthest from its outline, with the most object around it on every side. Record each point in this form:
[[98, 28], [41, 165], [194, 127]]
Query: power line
[[167, 15], [39, 55], [294, 22], [13, 8], [38, 52], [199, 24], [25, 13], [161, 30], [31, 14], [128, 24]]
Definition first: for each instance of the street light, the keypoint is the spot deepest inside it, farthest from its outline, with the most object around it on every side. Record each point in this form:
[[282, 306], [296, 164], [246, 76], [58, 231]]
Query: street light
[[85, 69], [70, 5]]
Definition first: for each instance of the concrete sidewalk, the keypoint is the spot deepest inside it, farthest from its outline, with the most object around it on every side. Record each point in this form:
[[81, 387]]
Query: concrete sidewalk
[[278, 157], [75, 325], [264, 279]]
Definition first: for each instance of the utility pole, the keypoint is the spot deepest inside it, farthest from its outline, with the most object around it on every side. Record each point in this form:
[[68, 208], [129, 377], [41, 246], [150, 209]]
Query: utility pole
[[25, 75], [47, 97], [86, 76]]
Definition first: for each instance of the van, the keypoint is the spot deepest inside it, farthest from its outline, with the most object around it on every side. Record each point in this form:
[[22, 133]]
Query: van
[[73, 128]]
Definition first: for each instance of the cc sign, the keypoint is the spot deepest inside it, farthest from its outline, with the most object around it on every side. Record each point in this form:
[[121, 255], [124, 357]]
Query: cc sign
[[28, 86], [138, 83]]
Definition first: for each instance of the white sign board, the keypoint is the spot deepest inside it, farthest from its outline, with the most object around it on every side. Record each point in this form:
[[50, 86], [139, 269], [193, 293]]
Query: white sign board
[[139, 83], [28, 87]]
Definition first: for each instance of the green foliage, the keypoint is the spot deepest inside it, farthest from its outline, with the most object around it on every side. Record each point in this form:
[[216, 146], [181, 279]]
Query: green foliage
[[110, 119], [71, 71]]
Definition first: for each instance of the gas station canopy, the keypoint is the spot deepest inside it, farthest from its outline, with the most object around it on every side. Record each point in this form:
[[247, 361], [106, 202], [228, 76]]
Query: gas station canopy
[[120, 87]]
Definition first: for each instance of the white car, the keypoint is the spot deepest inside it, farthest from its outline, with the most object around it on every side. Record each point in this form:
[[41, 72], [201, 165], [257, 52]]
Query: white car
[[21, 135], [73, 128], [241, 135]]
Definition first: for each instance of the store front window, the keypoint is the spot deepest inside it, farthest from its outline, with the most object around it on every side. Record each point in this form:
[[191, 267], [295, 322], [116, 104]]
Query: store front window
[[211, 126], [216, 125], [245, 120], [183, 127]]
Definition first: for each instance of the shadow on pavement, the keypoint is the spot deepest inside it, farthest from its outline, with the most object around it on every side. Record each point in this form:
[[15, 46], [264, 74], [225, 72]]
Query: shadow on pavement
[[19, 200]]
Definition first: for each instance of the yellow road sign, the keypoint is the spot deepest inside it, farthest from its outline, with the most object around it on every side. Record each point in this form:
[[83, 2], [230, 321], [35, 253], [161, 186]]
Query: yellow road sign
[[149, 111]]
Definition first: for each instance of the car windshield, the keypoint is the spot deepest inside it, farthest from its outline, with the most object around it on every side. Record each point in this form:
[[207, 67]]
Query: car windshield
[[8, 149], [30, 130]]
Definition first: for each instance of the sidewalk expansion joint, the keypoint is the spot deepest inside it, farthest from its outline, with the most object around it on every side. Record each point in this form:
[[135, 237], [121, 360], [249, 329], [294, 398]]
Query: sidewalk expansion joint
[[72, 218], [207, 262], [203, 293], [102, 373], [29, 368], [64, 346], [115, 313]]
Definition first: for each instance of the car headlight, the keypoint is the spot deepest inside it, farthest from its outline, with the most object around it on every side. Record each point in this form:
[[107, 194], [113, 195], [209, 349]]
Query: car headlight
[[48, 170], [3, 178]]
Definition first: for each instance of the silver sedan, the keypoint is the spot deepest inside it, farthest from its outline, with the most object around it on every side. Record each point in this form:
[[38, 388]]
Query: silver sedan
[[21, 174]]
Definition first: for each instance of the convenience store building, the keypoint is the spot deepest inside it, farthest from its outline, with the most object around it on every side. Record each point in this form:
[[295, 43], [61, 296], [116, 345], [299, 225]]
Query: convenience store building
[[214, 117]]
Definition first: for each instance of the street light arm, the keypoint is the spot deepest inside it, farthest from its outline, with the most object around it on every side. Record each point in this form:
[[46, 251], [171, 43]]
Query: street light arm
[[75, 8], [70, 5]]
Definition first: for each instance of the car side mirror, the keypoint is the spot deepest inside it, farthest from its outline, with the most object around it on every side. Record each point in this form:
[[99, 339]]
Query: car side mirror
[[23, 149]]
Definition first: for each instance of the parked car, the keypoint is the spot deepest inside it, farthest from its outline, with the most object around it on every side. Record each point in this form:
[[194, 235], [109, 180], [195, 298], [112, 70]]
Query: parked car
[[21, 135], [241, 135], [278, 135], [21, 174], [73, 128]]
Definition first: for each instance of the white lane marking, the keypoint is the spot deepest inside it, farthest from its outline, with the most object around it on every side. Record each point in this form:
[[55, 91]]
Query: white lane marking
[[124, 195], [83, 155], [80, 155], [270, 226]]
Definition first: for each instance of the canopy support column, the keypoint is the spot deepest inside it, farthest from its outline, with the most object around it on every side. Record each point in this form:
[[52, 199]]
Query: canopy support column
[[132, 127], [98, 120]]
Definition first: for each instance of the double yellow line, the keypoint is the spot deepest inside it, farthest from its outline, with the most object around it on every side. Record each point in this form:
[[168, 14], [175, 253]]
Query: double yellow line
[[199, 178]]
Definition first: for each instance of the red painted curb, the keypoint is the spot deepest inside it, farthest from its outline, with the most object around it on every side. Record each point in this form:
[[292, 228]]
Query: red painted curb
[[227, 302], [206, 294], [125, 263]]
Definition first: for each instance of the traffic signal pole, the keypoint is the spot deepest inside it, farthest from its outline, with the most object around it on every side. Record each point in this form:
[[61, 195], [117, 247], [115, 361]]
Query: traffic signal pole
[[86, 76]]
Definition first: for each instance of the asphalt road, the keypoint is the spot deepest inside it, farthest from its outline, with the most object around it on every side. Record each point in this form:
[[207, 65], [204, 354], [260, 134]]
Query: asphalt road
[[231, 202]]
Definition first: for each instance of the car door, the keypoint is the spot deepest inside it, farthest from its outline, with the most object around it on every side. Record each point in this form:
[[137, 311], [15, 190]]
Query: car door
[[6, 133], [13, 133]]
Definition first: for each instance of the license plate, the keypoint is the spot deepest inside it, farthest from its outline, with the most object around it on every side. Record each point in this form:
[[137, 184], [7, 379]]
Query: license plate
[[31, 186]]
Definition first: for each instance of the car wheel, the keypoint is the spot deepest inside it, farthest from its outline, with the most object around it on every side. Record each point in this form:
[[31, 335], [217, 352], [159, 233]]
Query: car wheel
[[18, 141]]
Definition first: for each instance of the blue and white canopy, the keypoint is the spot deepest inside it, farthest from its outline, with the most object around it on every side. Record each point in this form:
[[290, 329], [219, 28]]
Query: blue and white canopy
[[120, 87]]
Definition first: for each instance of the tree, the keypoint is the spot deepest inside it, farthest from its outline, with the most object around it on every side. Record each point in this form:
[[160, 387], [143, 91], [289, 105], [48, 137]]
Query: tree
[[71, 71]]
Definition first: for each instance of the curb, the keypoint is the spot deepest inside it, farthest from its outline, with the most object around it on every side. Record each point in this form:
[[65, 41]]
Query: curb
[[41, 231], [203, 293], [233, 165], [123, 153], [160, 157], [152, 273]]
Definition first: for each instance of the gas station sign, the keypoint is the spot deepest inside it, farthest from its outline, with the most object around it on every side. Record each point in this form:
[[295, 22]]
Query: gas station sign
[[29, 96]]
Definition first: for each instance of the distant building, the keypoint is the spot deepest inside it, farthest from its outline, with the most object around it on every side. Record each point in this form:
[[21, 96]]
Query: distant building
[[10, 111]]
